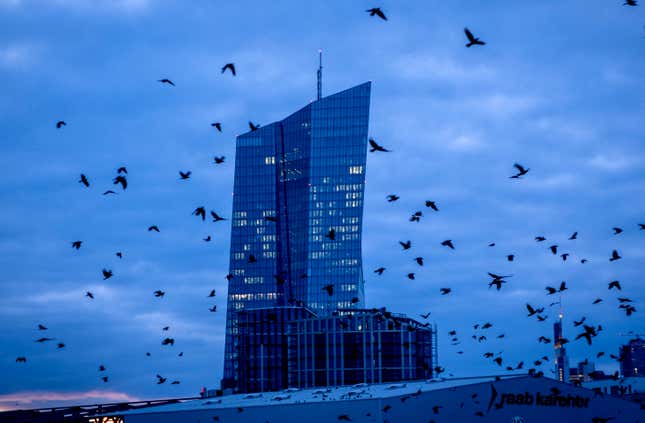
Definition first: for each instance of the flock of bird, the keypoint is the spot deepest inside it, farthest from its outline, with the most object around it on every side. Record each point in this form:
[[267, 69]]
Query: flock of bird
[[482, 330]]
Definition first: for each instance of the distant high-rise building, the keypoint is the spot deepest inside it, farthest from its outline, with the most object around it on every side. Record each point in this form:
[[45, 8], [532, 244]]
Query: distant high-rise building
[[633, 358], [297, 213], [561, 359]]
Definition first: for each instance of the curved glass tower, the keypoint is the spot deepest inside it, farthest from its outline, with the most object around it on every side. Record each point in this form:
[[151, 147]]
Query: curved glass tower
[[297, 213]]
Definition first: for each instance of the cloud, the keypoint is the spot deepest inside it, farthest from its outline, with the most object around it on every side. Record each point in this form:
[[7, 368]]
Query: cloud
[[17, 55], [18, 400], [613, 162], [424, 67], [126, 6]]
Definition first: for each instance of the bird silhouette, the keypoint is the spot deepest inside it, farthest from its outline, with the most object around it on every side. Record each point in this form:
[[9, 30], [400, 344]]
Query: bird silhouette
[[230, 67], [160, 379], [330, 289], [153, 228], [614, 284], [253, 127], [615, 256], [200, 211], [375, 147], [89, 295], [101, 368], [217, 126], [121, 180], [597, 301], [380, 271], [577, 323], [207, 239], [392, 197], [630, 3], [119, 254], [445, 291], [554, 249], [212, 293], [109, 192], [448, 243], [376, 11], [510, 257], [252, 258], [331, 234], [42, 340], [419, 260], [472, 40], [213, 309], [166, 81], [617, 231], [432, 205], [121, 170], [107, 274], [406, 245], [184, 175], [60, 124], [216, 217], [540, 238], [21, 359], [84, 180], [219, 160], [60, 345], [521, 171], [564, 256], [159, 293], [168, 341], [425, 316], [416, 217], [411, 276], [77, 244], [41, 327], [574, 236]]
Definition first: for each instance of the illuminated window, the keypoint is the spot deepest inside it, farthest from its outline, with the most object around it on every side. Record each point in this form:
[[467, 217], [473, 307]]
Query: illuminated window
[[355, 170], [269, 160]]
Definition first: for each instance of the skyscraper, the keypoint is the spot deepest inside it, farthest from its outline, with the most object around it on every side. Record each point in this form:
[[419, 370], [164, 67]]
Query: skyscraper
[[561, 359], [297, 212], [633, 358]]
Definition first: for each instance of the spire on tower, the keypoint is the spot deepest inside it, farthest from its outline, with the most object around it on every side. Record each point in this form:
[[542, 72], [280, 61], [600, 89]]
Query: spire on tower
[[319, 74]]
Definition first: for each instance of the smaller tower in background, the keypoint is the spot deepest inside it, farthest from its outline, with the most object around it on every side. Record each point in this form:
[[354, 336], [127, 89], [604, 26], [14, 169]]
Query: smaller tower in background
[[561, 359]]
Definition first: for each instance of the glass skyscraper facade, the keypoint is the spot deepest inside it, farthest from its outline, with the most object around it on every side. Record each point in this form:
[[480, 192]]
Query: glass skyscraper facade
[[297, 213]]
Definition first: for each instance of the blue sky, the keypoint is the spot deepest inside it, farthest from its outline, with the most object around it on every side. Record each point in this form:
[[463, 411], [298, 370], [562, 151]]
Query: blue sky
[[558, 88]]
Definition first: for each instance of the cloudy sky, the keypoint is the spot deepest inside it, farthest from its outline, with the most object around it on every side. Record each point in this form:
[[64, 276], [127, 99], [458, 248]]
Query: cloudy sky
[[559, 88]]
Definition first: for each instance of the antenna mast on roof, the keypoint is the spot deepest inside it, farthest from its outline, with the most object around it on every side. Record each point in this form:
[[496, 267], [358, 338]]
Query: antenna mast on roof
[[319, 74]]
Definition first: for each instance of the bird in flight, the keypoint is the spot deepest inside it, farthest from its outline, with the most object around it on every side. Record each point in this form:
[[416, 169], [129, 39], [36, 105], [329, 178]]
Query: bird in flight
[[216, 217], [107, 274], [521, 171], [121, 180], [425, 316], [615, 256], [331, 234], [406, 245], [540, 238], [554, 249], [219, 160], [376, 11], [217, 126], [213, 309], [160, 379], [419, 260], [84, 180], [166, 81], [153, 228], [630, 3], [230, 67], [119, 254], [253, 127], [109, 192], [416, 217], [375, 147], [212, 293], [432, 205], [184, 175], [89, 295], [207, 239], [615, 284], [392, 197], [380, 271], [329, 288], [60, 124], [159, 293], [77, 244], [445, 291], [448, 243], [121, 170], [21, 359], [472, 40], [41, 340], [617, 231], [252, 258], [200, 211], [641, 226], [41, 327]]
